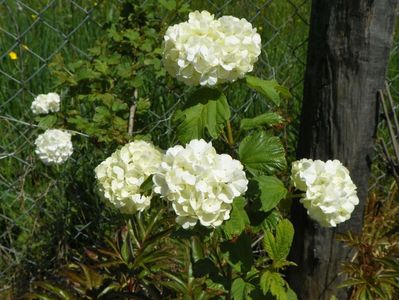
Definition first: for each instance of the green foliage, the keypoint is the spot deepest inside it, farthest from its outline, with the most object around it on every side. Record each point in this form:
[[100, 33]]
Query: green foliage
[[124, 63], [138, 253], [240, 289], [207, 109], [238, 219], [374, 271], [269, 119], [272, 191], [123, 86], [278, 246], [262, 153], [270, 89]]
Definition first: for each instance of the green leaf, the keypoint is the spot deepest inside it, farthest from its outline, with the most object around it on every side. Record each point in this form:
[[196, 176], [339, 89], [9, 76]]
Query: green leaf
[[100, 66], [239, 252], [47, 122], [102, 115], [271, 220], [261, 120], [278, 290], [270, 89], [278, 247], [273, 282], [291, 295], [265, 282], [86, 73], [197, 248], [168, 4], [207, 109], [62, 294], [132, 35], [272, 191], [114, 34], [239, 289], [125, 251], [238, 219], [146, 186], [142, 106], [262, 153], [118, 105]]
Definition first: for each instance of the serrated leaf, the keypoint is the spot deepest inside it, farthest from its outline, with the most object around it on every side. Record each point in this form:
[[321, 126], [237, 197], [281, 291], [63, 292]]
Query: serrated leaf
[[284, 237], [273, 282], [118, 105], [272, 191], [262, 153], [271, 220], [142, 106], [100, 66], [261, 120], [208, 109], [132, 35], [278, 291], [265, 282], [291, 295], [278, 247], [239, 289], [270, 89], [238, 219]]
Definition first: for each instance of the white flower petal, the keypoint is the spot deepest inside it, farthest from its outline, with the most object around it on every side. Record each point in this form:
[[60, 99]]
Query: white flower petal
[[45, 103], [199, 183], [54, 146], [121, 175], [208, 51], [330, 193]]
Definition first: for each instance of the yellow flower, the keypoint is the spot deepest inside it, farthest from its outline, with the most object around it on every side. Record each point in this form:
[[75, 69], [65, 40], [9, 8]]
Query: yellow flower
[[12, 55]]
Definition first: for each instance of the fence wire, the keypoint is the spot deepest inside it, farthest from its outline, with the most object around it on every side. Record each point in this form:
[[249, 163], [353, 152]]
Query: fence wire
[[33, 32]]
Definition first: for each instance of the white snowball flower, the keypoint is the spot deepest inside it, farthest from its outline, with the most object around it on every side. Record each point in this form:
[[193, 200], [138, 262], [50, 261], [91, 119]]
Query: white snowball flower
[[54, 146], [45, 103], [200, 183], [330, 195], [121, 175], [207, 51]]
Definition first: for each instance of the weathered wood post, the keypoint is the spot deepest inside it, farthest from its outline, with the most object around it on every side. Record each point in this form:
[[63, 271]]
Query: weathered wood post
[[349, 45]]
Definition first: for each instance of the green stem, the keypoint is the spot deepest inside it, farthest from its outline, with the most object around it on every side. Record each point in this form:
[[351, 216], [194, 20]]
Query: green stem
[[295, 196], [230, 139]]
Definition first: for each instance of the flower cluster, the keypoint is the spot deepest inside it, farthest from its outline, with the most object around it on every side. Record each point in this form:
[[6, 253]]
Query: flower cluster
[[121, 175], [330, 193], [200, 183], [54, 146], [207, 51], [45, 103]]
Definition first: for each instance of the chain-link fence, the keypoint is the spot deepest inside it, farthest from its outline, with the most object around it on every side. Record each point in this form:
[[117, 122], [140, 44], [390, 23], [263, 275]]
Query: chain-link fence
[[33, 32]]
